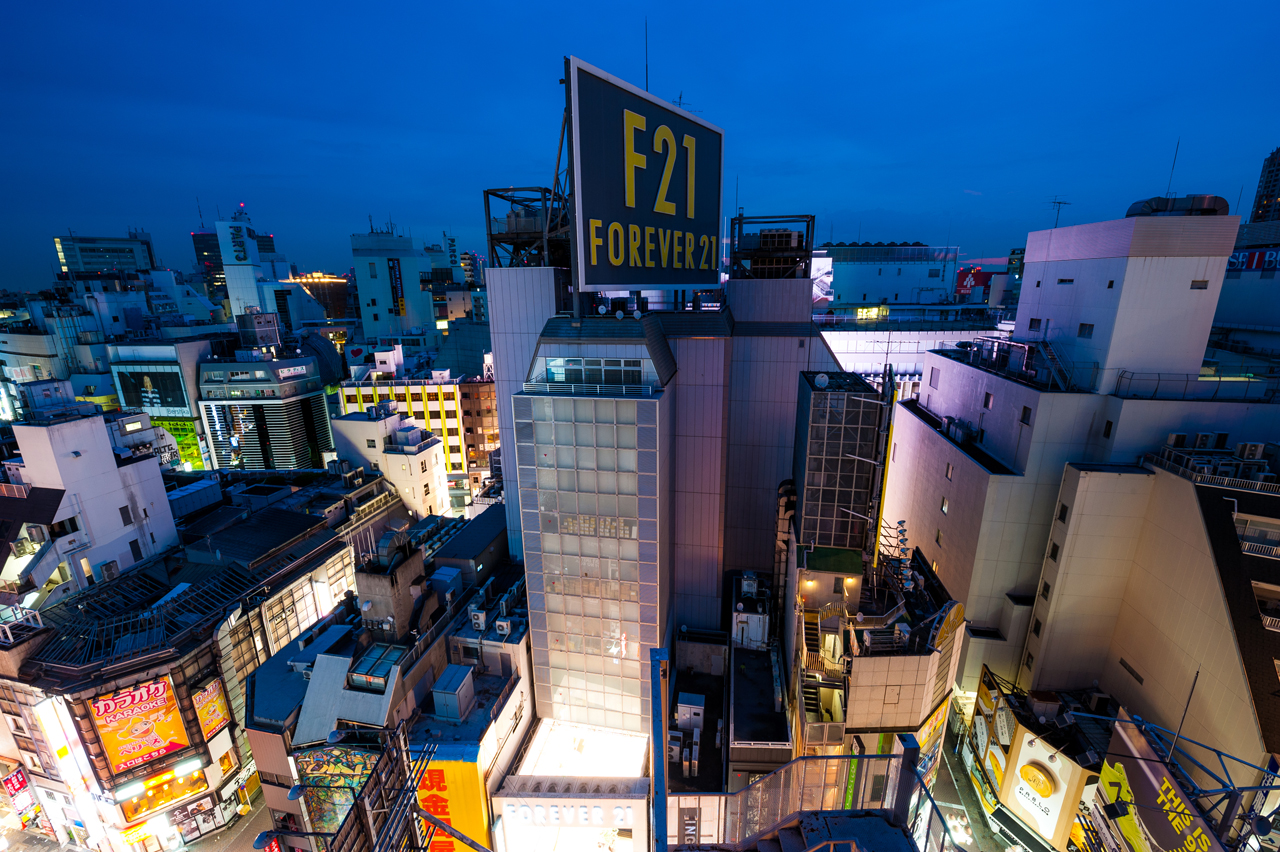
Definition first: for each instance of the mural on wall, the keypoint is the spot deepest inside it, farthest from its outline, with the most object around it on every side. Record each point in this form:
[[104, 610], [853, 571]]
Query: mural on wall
[[332, 767]]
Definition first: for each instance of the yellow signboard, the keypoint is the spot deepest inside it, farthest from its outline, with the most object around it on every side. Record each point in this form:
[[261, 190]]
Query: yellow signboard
[[140, 724], [211, 708], [453, 792]]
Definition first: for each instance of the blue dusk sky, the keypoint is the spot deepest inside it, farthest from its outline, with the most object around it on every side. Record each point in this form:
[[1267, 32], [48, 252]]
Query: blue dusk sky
[[888, 121]]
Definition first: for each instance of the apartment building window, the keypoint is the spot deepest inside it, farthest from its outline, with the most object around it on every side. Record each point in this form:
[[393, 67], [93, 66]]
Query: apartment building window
[[373, 303], [1199, 285], [375, 317], [988, 401], [1037, 284], [1111, 285], [125, 517], [1044, 591], [1034, 324], [1029, 661], [1106, 429], [933, 377], [1035, 628], [371, 443], [938, 538], [1026, 415], [1062, 512], [136, 550], [944, 505], [373, 269], [1086, 330], [1053, 552], [1066, 280], [950, 470]]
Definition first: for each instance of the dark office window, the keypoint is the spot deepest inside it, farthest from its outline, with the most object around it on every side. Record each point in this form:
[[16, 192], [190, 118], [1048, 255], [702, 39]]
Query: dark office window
[[1037, 283], [838, 589], [1035, 628], [1026, 415], [1066, 280], [1044, 591], [933, 377], [1034, 324], [1086, 330], [373, 303], [1029, 661], [125, 517], [373, 269], [1053, 551], [370, 443], [988, 401], [1062, 512], [136, 550], [1199, 285], [1106, 429], [1111, 285], [375, 317], [938, 537]]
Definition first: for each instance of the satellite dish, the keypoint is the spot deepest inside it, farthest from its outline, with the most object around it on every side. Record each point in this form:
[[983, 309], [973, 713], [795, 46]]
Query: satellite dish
[[635, 314], [618, 315], [860, 617], [601, 310], [821, 380]]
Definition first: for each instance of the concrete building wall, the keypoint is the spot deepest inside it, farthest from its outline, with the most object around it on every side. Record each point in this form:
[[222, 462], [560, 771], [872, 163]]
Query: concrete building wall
[[1096, 531], [520, 303], [1173, 622], [699, 472]]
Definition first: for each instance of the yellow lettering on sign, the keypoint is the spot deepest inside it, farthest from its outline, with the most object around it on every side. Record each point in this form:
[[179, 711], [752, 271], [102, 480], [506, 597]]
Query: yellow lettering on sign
[[705, 242], [688, 250], [664, 245], [616, 238], [663, 138], [675, 248], [631, 122], [690, 145], [595, 240], [635, 245], [648, 245]]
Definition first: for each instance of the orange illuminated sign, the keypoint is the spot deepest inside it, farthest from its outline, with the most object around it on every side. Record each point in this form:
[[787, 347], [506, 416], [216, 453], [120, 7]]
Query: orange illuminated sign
[[137, 834], [211, 708], [140, 724]]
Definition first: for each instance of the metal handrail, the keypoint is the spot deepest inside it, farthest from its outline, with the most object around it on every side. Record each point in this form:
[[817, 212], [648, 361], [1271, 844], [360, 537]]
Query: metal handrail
[[1209, 479]]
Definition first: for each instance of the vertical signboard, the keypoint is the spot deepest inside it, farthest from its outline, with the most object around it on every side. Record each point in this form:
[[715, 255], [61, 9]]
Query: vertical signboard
[[1156, 814], [397, 286], [646, 188], [140, 724], [451, 791], [211, 709]]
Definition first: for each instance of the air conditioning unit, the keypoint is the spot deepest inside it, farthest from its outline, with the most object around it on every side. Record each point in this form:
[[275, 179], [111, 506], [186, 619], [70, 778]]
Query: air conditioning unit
[[477, 620], [35, 532], [1176, 440], [503, 626], [1204, 440], [1249, 451]]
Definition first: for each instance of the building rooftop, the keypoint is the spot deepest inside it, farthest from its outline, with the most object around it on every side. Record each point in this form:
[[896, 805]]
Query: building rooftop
[[835, 560], [1259, 646], [476, 534], [754, 692], [460, 739], [285, 684], [987, 461], [258, 535]]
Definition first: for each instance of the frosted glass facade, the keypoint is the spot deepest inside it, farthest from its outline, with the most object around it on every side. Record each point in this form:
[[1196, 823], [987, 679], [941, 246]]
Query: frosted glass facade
[[588, 486]]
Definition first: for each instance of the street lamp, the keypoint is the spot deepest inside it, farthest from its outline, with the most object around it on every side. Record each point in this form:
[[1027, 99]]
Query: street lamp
[[263, 840]]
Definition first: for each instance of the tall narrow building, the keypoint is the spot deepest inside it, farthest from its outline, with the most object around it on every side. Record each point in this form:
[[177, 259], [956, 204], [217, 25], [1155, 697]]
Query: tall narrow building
[[1266, 203]]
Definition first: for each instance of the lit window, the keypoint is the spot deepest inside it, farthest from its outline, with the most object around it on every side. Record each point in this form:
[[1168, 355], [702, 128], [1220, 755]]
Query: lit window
[[944, 505], [988, 401], [950, 469]]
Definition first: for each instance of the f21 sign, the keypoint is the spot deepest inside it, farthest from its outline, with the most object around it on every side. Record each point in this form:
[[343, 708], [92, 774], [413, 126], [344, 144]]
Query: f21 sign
[[646, 188]]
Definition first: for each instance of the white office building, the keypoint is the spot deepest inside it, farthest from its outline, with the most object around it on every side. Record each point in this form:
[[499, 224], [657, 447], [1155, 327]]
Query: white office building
[[1104, 362], [411, 458]]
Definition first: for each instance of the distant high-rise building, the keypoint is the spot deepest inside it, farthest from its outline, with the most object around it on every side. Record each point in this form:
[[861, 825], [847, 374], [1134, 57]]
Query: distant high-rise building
[[1266, 204], [209, 253], [106, 254], [394, 282]]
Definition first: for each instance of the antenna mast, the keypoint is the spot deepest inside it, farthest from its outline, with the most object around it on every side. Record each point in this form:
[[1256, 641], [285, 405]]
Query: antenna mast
[[1168, 188], [1058, 205]]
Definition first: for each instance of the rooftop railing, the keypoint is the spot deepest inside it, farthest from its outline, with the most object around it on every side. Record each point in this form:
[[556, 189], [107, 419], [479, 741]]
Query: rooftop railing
[[566, 389], [1208, 479]]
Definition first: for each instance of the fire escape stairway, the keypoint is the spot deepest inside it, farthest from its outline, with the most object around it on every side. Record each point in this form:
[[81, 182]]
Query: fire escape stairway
[[1056, 369]]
